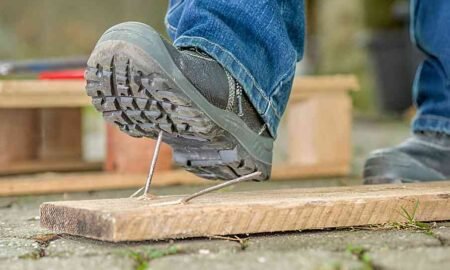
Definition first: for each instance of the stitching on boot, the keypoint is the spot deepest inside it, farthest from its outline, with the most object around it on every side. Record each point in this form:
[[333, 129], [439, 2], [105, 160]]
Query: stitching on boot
[[198, 55], [263, 128], [239, 92], [231, 91]]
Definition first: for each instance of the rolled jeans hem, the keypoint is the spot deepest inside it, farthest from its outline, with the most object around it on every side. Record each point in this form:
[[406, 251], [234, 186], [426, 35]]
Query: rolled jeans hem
[[264, 105], [431, 123]]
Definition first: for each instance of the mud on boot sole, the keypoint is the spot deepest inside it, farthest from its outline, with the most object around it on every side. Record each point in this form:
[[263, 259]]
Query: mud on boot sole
[[133, 91]]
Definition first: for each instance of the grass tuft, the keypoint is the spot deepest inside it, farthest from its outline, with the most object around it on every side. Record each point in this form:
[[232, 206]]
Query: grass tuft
[[411, 222], [362, 255], [142, 259]]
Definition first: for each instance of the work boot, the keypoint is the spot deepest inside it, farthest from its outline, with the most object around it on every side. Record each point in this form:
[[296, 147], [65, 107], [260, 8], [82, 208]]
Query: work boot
[[423, 157], [145, 85]]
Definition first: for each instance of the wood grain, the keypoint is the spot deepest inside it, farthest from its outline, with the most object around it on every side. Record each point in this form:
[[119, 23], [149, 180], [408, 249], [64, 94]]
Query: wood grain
[[61, 134], [246, 212], [19, 136]]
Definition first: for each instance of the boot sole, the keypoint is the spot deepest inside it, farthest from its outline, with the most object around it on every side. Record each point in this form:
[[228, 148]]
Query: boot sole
[[134, 83]]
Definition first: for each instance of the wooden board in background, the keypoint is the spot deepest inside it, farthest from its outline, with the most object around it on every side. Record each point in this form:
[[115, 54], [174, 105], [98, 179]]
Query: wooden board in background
[[60, 134], [246, 212], [71, 93], [80, 182], [307, 86], [319, 130], [43, 94], [130, 155], [39, 166], [19, 136]]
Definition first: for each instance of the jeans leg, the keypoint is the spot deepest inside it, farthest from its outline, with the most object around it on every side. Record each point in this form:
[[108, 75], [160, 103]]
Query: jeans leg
[[430, 31], [257, 41]]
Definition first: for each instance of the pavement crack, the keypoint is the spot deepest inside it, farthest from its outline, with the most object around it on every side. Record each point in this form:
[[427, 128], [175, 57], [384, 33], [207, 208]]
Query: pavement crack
[[143, 258], [441, 239], [43, 241], [243, 242], [363, 256]]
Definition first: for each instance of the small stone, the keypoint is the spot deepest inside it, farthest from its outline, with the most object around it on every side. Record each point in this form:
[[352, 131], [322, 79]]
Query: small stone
[[204, 251], [262, 260]]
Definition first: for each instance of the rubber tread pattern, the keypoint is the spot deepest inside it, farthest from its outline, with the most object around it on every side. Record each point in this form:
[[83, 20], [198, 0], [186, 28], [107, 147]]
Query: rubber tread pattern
[[143, 104]]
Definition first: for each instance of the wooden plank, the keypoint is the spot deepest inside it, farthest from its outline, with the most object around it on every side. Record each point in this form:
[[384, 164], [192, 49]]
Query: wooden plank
[[303, 171], [71, 93], [246, 212], [43, 94], [61, 134], [315, 106], [79, 182], [19, 135], [319, 130], [305, 86], [126, 154], [37, 166]]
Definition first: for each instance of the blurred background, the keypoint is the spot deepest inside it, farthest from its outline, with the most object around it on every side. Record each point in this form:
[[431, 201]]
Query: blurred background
[[369, 39], [50, 28]]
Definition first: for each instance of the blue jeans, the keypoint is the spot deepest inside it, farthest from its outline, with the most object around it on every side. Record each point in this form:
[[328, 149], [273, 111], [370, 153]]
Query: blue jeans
[[430, 31], [259, 42]]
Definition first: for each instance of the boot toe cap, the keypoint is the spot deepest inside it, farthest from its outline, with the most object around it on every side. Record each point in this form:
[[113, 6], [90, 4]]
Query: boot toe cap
[[392, 166]]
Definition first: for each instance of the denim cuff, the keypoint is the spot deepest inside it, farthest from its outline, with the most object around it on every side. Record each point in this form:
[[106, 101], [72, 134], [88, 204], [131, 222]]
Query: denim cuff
[[431, 123], [264, 105]]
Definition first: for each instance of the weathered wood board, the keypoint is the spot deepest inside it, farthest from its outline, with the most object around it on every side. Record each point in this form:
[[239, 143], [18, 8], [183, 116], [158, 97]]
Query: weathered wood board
[[246, 212]]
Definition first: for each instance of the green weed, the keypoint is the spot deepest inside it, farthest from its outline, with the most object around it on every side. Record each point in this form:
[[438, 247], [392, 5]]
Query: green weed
[[143, 258], [411, 222], [362, 255]]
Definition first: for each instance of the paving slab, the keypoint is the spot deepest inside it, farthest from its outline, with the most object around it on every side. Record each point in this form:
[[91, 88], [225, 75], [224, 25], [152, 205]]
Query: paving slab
[[257, 260], [81, 247], [108, 262], [421, 258], [339, 240], [442, 231], [20, 223], [68, 246], [13, 248]]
